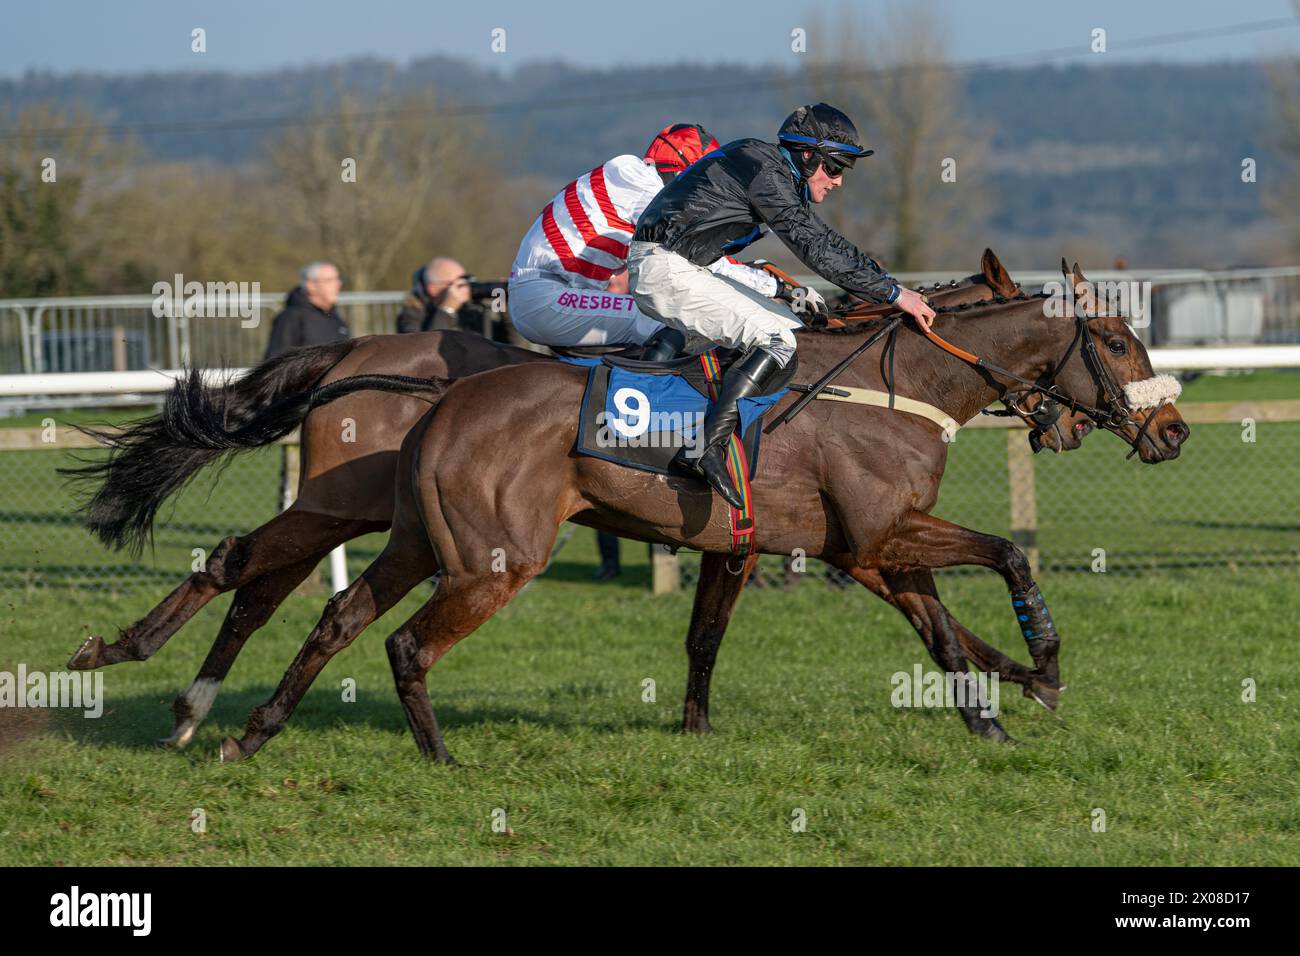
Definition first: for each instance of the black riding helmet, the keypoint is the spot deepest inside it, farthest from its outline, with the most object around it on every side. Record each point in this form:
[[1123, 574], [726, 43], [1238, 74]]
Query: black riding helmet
[[829, 135]]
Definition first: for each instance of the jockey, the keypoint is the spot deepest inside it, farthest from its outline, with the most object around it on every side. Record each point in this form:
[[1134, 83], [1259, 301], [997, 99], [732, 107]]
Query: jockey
[[723, 203], [568, 284]]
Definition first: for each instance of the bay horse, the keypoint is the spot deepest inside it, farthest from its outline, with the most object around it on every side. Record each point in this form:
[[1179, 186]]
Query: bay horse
[[851, 486], [345, 489]]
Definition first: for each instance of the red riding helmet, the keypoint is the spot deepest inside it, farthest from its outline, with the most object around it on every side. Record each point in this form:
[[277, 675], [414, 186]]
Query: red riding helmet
[[676, 147]]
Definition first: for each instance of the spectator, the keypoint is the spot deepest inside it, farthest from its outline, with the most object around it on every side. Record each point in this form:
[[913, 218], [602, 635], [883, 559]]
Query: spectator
[[610, 566], [440, 299], [309, 317]]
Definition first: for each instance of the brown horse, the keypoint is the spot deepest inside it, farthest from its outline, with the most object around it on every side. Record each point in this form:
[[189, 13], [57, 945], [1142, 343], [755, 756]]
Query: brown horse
[[345, 490], [850, 486]]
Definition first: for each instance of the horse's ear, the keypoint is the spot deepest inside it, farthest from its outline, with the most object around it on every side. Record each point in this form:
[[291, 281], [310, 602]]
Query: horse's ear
[[1083, 291], [1065, 267], [998, 279]]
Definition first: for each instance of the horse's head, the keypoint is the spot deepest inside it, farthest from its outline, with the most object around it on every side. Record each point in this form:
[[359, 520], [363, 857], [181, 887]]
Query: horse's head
[[1107, 368], [1052, 426]]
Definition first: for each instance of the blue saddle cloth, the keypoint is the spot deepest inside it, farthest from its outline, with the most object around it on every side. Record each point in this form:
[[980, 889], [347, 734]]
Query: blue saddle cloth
[[642, 419]]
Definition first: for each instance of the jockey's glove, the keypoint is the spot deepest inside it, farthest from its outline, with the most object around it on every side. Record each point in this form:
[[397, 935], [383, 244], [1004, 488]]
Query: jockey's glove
[[806, 302]]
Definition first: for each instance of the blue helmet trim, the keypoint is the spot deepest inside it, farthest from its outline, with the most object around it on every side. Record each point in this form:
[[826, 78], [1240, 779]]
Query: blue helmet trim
[[814, 141]]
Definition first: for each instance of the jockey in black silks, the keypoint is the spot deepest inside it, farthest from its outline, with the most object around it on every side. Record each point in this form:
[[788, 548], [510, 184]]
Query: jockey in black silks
[[724, 202]]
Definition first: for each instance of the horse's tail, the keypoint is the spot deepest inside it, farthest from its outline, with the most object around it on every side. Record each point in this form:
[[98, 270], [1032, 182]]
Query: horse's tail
[[154, 457]]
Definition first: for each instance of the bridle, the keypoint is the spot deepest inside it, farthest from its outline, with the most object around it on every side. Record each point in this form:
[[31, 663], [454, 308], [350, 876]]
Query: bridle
[[1115, 417]]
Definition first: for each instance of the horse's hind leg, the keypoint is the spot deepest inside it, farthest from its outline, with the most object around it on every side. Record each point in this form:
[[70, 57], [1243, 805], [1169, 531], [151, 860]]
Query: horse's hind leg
[[715, 599], [459, 606], [405, 562], [236, 560], [252, 607], [916, 597]]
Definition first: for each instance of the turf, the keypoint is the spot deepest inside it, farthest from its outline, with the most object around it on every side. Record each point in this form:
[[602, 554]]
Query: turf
[[544, 708], [1224, 501]]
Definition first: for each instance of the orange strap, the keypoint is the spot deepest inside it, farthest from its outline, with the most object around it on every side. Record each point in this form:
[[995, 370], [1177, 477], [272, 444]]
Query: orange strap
[[875, 311], [773, 270], [865, 311], [950, 348]]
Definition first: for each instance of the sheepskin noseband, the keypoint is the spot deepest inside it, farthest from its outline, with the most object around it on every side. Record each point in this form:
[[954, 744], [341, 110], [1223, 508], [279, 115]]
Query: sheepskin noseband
[[1152, 391]]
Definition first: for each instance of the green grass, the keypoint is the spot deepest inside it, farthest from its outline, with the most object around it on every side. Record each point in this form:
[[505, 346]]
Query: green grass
[[543, 708], [1271, 385], [1223, 500]]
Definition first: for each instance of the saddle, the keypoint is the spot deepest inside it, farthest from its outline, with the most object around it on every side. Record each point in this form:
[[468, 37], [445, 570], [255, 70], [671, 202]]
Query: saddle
[[640, 414], [629, 356]]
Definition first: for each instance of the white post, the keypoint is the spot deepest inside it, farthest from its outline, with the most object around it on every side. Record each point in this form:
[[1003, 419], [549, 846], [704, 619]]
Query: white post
[[339, 569]]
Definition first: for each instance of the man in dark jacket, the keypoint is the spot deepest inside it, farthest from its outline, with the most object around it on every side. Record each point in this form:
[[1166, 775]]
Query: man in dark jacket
[[440, 299], [721, 204], [309, 317]]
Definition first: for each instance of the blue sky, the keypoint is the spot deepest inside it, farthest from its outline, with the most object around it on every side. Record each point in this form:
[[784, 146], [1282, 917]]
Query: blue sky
[[130, 36]]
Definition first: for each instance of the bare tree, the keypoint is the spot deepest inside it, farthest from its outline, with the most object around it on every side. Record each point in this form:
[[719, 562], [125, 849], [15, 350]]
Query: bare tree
[[1282, 195], [55, 170], [360, 184], [922, 190]]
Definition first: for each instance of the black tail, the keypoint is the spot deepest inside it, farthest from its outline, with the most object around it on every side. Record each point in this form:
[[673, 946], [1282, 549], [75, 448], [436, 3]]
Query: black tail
[[154, 457]]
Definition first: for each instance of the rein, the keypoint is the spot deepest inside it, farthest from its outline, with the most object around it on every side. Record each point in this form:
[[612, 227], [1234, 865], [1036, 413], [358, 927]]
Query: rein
[[1118, 414], [853, 312], [1114, 418]]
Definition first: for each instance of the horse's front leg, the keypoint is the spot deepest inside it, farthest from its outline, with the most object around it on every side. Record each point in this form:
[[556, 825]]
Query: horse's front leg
[[984, 656], [914, 594], [925, 541]]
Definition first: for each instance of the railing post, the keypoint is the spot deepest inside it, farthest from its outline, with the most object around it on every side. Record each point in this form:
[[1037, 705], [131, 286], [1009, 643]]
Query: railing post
[[290, 463], [289, 475], [24, 338], [665, 575], [1024, 498], [38, 349], [119, 349]]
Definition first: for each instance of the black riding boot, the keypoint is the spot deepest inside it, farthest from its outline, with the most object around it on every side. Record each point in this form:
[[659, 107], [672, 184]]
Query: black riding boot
[[663, 345], [749, 376]]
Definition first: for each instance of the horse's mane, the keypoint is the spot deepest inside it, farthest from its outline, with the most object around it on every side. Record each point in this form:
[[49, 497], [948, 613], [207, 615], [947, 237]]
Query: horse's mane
[[867, 326]]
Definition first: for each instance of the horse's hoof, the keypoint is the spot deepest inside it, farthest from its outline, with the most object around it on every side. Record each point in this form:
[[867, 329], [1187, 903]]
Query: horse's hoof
[[88, 656], [179, 739], [1045, 694], [230, 751], [993, 731], [697, 727]]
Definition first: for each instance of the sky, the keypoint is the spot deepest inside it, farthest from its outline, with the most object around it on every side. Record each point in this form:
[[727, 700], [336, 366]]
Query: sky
[[133, 36]]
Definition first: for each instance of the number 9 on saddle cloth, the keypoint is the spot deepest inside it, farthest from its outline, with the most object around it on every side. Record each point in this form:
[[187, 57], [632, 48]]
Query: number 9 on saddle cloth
[[640, 414]]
